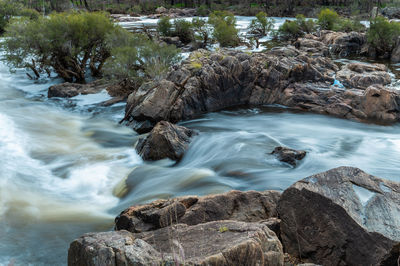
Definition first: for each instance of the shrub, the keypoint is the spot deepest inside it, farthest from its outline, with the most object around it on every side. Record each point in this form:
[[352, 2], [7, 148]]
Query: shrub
[[261, 25], [135, 58], [224, 31], [8, 8], [183, 30], [202, 11], [327, 19], [348, 25], [67, 43], [201, 30], [137, 9], [306, 25], [164, 26], [290, 30], [382, 34]]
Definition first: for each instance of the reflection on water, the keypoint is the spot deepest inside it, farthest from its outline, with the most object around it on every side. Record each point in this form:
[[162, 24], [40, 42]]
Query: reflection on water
[[67, 167]]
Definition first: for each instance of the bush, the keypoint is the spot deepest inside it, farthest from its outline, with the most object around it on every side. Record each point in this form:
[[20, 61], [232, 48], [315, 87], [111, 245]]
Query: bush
[[164, 26], [348, 25], [382, 34], [137, 9], [29, 13], [67, 43], [202, 11], [8, 8], [291, 30], [327, 19], [261, 25], [201, 30], [135, 58], [183, 30], [224, 31]]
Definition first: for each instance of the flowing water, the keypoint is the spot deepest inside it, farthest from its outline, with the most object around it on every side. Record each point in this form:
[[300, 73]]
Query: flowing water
[[67, 167]]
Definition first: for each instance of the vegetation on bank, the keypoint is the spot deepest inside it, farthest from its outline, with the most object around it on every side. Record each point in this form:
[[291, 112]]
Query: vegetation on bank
[[75, 45]]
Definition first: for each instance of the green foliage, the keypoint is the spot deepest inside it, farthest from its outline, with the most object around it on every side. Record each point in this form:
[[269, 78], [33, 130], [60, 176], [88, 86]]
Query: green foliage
[[67, 43], [223, 229], [8, 8], [382, 34], [137, 9], [164, 26], [327, 19], [183, 30], [202, 11], [201, 30], [224, 31], [261, 25], [135, 58], [306, 25], [293, 29], [348, 25], [29, 13]]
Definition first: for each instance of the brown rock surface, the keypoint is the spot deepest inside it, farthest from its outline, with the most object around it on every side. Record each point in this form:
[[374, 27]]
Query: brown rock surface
[[289, 156], [250, 206], [166, 140]]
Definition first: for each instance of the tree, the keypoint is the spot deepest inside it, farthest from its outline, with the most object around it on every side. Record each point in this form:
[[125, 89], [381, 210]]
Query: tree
[[261, 25], [224, 31], [135, 58], [8, 8], [382, 35], [66, 43]]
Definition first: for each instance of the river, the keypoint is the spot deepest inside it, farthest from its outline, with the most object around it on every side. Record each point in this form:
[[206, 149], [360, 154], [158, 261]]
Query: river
[[67, 167]]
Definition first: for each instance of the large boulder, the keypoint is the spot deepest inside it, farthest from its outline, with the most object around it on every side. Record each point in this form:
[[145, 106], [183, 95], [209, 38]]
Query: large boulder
[[343, 44], [250, 206], [166, 140], [213, 243], [212, 81], [363, 75], [342, 217]]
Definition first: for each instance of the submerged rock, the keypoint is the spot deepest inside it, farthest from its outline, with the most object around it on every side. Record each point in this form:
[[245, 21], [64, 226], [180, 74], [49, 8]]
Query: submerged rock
[[166, 140], [363, 75], [213, 243], [250, 206], [342, 217], [288, 155]]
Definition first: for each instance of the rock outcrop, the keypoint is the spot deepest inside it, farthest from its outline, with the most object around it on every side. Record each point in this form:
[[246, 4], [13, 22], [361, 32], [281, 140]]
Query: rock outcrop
[[343, 44], [250, 206], [342, 217], [166, 140], [363, 75], [208, 82], [288, 155], [214, 243]]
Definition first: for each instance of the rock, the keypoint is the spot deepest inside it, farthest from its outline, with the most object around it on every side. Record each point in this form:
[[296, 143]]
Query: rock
[[311, 45], [213, 243], [363, 75], [289, 156], [342, 217], [161, 10], [391, 12], [173, 40], [68, 90], [166, 140], [111, 248], [395, 55], [250, 206], [218, 243], [343, 44], [212, 81]]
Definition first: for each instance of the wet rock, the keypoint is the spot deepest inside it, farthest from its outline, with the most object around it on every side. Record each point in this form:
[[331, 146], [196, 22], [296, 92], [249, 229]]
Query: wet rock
[[250, 206], [391, 12], [288, 155], [213, 243], [363, 75], [343, 44], [67, 90], [166, 140], [341, 217], [111, 248]]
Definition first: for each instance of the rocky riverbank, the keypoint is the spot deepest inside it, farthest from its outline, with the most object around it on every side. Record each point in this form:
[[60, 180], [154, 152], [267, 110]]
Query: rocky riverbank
[[340, 217]]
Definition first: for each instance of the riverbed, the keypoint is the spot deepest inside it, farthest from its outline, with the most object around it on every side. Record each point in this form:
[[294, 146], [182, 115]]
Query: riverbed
[[67, 167]]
